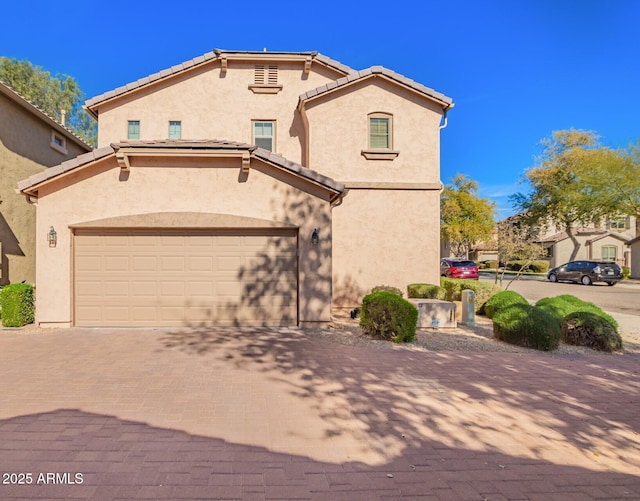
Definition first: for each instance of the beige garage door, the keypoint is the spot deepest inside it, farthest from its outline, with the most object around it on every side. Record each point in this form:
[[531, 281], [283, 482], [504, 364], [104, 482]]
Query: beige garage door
[[185, 278]]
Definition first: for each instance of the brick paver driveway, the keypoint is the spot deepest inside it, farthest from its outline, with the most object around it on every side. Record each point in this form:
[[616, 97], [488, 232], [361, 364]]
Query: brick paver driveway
[[279, 414]]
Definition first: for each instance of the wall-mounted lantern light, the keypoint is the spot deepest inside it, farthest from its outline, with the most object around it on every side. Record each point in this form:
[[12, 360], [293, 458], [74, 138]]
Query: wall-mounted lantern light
[[52, 237], [315, 238]]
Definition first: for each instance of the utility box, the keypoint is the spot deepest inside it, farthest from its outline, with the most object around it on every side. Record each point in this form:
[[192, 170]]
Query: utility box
[[434, 313], [468, 308]]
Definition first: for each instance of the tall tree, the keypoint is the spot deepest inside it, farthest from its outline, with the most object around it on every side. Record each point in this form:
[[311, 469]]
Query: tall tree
[[465, 218], [561, 193], [615, 179], [51, 93]]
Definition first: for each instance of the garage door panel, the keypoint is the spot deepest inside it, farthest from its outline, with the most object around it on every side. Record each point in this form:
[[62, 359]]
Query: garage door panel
[[172, 263], [144, 263], [126, 278], [200, 263], [115, 288], [172, 288], [147, 288], [200, 289], [89, 263]]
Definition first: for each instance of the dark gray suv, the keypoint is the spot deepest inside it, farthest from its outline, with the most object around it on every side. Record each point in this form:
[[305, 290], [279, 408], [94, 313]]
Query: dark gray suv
[[587, 272]]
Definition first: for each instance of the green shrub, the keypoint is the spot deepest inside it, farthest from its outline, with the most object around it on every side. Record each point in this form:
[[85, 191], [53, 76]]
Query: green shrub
[[454, 286], [561, 306], [518, 265], [583, 328], [386, 315], [17, 305], [387, 288], [491, 264], [626, 272], [425, 291], [528, 326], [502, 300], [539, 266]]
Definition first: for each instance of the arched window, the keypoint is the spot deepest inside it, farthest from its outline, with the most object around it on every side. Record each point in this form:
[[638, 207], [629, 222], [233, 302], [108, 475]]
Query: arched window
[[380, 141], [380, 131]]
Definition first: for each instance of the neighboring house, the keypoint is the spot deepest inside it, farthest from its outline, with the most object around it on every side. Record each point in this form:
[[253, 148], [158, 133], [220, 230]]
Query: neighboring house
[[243, 188], [29, 141], [608, 241], [634, 245]]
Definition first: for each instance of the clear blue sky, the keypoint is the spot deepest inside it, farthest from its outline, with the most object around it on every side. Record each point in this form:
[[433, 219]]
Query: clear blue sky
[[516, 69]]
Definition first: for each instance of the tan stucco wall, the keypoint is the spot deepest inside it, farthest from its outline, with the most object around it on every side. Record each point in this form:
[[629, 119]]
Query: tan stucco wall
[[564, 249], [24, 150], [338, 132], [215, 105], [328, 136], [381, 236], [212, 186], [384, 237]]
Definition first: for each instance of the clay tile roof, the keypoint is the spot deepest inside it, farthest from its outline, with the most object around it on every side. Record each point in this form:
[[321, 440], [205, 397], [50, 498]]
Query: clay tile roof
[[608, 234], [215, 144], [379, 70], [52, 172], [298, 169], [214, 54], [555, 238], [15, 96], [169, 144]]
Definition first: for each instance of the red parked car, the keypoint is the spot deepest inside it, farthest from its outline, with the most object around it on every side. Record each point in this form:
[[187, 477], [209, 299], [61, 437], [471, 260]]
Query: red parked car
[[458, 268]]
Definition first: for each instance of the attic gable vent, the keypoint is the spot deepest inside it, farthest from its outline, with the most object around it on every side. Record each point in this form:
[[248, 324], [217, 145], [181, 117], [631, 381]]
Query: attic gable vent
[[266, 75], [265, 79]]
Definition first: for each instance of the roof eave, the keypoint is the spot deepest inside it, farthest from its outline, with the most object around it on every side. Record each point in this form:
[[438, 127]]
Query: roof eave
[[328, 89]]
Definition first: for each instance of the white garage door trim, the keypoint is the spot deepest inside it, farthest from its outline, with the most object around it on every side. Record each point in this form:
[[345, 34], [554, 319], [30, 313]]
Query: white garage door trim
[[185, 277]]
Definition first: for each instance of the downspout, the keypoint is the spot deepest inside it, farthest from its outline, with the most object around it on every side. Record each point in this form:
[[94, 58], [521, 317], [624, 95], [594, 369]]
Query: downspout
[[444, 119], [305, 126]]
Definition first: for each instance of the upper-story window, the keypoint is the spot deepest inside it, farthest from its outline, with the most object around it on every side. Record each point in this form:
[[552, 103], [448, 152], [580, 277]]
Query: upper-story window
[[133, 129], [58, 143], [379, 131], [380, 140], [264, 134], [618, 223], [265, 79], [175, 129]]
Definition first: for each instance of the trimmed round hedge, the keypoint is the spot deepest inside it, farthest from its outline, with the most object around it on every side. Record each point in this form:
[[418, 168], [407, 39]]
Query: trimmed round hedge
[[385, 315], [502, 300], [561, 306], [583, 328], [528, 326]]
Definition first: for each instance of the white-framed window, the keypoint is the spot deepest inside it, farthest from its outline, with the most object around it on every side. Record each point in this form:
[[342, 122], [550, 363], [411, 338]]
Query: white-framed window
[[618, 223], [175, 129], [380, 137], [264, 134], [58, 142], [133, 129], [609, 252]]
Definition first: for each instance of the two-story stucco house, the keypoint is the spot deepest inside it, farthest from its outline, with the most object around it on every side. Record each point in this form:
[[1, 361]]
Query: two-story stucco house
[[29, 141], [243, 188], [609, 240]]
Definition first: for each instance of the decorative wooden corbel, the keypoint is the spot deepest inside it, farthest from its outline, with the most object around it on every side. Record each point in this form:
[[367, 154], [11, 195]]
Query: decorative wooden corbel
[[246, 162], [223, 64], [123, 161], [307, 65]]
